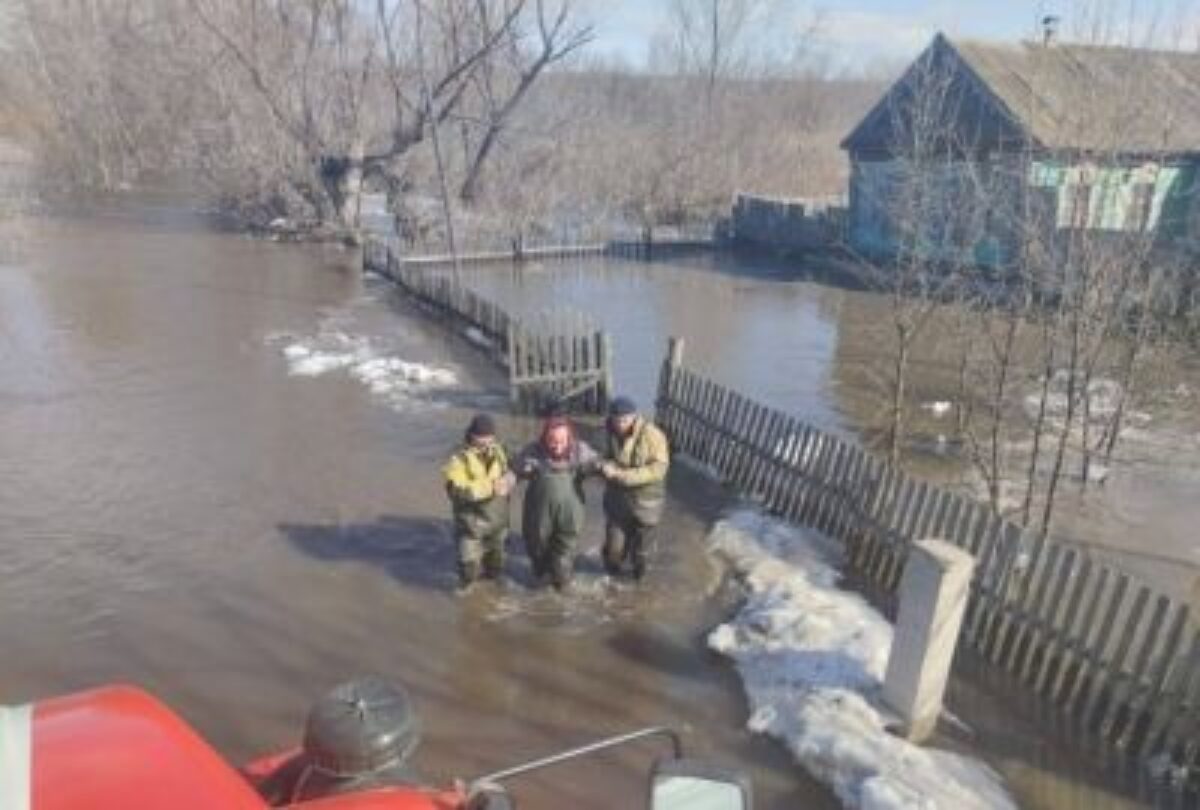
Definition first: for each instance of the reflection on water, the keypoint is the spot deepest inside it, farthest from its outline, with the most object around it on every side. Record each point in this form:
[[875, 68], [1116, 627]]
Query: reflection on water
[[762, 334]]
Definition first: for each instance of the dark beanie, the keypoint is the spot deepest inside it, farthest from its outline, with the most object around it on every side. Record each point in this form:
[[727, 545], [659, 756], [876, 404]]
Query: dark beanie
[[622, 406], [482, 424]]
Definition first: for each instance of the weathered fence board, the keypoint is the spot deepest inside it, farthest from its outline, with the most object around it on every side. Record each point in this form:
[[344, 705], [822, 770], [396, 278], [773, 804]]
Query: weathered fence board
[[565, 361], [1058, 649], [1120, 659]]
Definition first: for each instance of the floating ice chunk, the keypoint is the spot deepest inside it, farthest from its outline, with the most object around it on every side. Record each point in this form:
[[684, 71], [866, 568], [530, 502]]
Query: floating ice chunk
[[382, 374], [938, 408], [315, 364]]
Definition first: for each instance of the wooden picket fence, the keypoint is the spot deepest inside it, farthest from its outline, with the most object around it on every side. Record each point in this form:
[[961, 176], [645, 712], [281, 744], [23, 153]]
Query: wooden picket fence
[[526, 252], [561, 358], [1119, 659]]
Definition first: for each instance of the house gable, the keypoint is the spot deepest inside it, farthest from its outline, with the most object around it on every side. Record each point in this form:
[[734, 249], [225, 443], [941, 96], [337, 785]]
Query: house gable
[[954, 102]]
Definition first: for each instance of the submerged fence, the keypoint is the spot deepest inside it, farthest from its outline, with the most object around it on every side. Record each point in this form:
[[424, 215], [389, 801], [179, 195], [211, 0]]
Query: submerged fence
[[1120, 659], [559, 359], [645, 249], [789, 224]]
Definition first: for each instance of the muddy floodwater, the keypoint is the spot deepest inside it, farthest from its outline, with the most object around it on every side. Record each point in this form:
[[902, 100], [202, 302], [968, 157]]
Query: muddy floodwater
[[821, 352], [219, 479]]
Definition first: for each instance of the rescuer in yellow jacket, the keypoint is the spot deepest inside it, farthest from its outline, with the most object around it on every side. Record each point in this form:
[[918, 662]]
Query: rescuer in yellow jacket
[[478, 483], [635, 468]]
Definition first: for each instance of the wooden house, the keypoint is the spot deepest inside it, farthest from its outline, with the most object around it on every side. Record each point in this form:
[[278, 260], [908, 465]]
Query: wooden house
[[980, 146]]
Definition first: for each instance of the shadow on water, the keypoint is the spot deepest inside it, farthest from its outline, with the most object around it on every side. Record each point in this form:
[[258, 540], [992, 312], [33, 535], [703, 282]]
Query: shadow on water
[[416, 551], [667, 653]]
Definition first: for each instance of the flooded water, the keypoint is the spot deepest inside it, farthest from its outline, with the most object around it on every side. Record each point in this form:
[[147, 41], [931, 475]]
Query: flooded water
[[752, 328], [821, 352], [219, 479]]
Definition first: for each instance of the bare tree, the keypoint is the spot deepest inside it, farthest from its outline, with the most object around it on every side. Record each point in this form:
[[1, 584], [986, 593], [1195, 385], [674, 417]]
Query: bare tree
[[286, 112], [316, 65], [930, 197], [714, 39], [557, 38]]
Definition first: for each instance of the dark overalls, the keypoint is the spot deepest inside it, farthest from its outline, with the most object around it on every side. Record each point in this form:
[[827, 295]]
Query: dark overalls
[[553, 514]]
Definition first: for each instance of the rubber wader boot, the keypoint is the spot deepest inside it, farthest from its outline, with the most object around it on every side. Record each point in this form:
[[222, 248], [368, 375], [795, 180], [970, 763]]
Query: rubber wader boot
[[468, 573]]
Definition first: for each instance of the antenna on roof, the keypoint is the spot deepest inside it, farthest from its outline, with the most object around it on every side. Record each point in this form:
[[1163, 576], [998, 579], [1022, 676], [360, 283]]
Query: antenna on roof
[[1049, 29]]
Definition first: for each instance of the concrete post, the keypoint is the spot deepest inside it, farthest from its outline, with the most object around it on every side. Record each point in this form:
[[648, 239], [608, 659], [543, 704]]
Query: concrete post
[[933, 598]]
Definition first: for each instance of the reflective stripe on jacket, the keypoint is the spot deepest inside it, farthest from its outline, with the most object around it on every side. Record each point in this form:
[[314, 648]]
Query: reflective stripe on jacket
[[471, 476]]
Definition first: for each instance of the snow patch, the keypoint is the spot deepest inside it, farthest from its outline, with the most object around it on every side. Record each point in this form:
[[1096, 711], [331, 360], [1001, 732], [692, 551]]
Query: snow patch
[[812, 657], [387, 376], [478, 338], [1104, 395]]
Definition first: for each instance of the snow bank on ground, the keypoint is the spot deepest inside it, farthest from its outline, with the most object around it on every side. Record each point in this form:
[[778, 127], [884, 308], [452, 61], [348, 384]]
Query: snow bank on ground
[[388, 376], [1105, 397], [812, 657]]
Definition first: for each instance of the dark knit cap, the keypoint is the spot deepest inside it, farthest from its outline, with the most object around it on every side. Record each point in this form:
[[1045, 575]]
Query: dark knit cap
[[622, 406], [482, 425]]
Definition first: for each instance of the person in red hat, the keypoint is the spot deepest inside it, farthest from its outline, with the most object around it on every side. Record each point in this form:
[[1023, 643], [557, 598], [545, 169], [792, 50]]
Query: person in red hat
[[552, 518]]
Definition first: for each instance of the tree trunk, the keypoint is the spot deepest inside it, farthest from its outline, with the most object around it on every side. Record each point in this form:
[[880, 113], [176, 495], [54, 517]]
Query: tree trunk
[[350, 193], [998, 397], [1039, 426], [1069, 417], [896, 420], [468, 192], [342, 182]]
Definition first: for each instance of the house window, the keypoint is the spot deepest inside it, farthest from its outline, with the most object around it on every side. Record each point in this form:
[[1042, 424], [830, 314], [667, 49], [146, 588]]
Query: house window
[[1079, 205], [1140, 206]]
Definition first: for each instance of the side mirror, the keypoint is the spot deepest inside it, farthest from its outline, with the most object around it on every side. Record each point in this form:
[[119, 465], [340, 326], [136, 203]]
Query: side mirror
[[687, 784]]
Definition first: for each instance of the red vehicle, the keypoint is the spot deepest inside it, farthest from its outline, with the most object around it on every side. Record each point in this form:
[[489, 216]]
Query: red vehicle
[[118, 748]]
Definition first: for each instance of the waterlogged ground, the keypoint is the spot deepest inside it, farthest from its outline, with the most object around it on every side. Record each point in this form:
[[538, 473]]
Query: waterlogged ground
[[821, 353], [219, 479]]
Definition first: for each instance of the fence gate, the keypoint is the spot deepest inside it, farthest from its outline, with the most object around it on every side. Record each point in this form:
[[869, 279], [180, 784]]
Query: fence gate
[[559, 359]]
